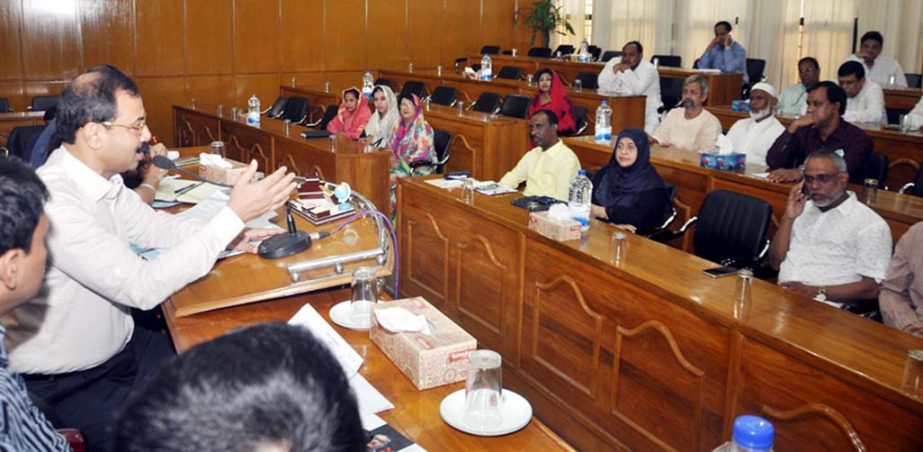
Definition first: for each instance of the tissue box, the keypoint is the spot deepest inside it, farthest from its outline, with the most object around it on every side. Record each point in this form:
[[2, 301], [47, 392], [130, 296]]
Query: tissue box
[[220, 175], [553, 229], [428, 361], [723, 162]]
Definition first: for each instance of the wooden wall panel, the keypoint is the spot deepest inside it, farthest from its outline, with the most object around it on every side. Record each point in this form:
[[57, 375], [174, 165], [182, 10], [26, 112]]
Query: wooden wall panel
[[208, 36], [159, 37], [425, 20], [303, 30], [215, 89], [159, 94], [345, 32], [10, 45], [461, 31], [106, 33], [265, 86], [50, 42], [387, 34], [256, 54], [13, 91], [498, 30]]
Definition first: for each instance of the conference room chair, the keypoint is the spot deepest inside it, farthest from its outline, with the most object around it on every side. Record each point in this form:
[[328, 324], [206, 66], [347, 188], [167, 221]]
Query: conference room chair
[[22, 139], [580, 114], [441, 142], [444, 95], [539, 52], [384, 81], [487, 103], [490, 50], [476, 67], [671, 91], [668, 60], [507, 52], [914, 188], [460, 64], [894, 114], [913, 80], [42, 103], [510, 73], [589, 80], [516, 106], [4, 105], [610, 54], [565, 49], [669, 217], [595, 51], [755, 70], [330, 112], [277, 108], [877, 168], [296, 110], [414, 87]]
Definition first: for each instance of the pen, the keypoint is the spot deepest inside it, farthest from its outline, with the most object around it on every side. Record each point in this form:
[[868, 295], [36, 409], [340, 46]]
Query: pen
[[187, 188]]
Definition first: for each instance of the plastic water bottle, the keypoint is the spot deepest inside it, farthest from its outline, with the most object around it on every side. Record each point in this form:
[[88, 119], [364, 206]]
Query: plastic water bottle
[[581, 194], [487, 72], [368, 84], [584, 56], [253, 111], [603, 126], [751, 434]]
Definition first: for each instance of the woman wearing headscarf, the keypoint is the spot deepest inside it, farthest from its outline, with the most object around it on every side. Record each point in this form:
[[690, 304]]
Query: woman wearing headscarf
[[412, 150], [552, 95], [628, 191], [352, 116], [384, 118]]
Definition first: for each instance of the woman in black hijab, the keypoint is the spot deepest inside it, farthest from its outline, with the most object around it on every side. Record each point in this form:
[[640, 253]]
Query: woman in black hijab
[[628, 191]]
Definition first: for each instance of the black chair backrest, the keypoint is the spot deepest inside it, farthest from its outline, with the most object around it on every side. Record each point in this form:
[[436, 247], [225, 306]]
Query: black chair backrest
[[668, 60], [516, 106], [441, 142], [580, 115], [732, 226], [22, 140], [510, 73], [671, 191], [589, 80], [487, 102], [42, 103], [877, 168], [444, 95], [610, 54], [329, 113], [490, 50], [476, 67], [296, 109], [413, 87], [540, 52], [755, 69], [460, 64], [917, 189], [894, 114], [671, 91], [4, 105], [384, 81], [913, 80], [277, 108], [565, 49]]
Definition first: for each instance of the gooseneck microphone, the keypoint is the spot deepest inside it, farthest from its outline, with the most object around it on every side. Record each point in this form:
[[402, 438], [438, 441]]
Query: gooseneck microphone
[[165, 163]]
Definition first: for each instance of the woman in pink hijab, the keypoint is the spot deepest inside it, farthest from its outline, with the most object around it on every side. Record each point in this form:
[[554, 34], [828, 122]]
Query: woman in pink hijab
[[352, 116]]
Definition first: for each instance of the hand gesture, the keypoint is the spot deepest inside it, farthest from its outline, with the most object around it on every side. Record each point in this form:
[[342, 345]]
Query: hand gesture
[[252, 199], [794, 207], [803, 121]]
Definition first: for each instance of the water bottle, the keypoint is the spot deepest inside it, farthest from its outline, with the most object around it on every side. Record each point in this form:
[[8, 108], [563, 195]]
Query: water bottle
[[368, 84], [487, 72], [584, 55], [603, 126], [751, 434], [581, 194], [253, 111]]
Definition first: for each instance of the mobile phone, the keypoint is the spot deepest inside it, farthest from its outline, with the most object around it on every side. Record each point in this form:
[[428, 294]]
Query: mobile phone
[[804, 191], [719, 272]]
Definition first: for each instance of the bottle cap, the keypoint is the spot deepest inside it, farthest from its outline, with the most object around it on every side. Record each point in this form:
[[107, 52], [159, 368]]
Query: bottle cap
[[753, 432], [581, 172]]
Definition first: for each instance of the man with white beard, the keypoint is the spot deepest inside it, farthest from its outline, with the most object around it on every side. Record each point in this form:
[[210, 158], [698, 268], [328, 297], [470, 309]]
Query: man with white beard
[[755, 135]]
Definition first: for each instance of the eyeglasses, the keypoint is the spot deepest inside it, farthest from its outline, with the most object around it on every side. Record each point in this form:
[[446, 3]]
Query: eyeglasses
[[137, 127], [822, 178]]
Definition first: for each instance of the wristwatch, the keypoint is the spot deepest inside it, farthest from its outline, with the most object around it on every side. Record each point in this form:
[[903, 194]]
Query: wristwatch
[[821, 294]]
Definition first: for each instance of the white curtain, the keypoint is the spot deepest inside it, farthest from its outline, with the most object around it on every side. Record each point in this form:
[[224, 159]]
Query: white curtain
[[573, 10], [647, 21]]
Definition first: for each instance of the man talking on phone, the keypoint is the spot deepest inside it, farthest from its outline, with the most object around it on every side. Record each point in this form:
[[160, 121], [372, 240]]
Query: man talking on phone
[[829, 246], [724, 53]]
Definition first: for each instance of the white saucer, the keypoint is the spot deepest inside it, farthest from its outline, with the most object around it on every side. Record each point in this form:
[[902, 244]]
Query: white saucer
[[341, 314], [515, 411]]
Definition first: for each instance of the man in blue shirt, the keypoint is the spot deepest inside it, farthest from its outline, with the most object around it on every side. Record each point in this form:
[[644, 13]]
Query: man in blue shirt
[[725, 54]]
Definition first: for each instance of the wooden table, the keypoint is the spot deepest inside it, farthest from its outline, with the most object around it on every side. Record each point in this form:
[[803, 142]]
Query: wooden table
[[650, 353], [904, 99], [627, 111], [723, 88], [12, 120], [904, 150], [366, 172]]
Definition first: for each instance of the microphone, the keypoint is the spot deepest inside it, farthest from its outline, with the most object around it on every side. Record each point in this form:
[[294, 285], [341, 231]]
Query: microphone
[[287, 244], [163, 162]]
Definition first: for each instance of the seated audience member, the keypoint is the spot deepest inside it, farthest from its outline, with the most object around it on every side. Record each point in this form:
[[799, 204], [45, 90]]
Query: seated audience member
[[383, 119], [22, 268], [628, 191], [755, 135], [829, 246], [794, 101], [412, 150], [879, 68], [916, 116], [692, 127], [865, 101], [822, 127], [76, 343], [270, 387], [901, 297], [724, 53], [632, 74], [552, 96], [352, 116], [550, 167]]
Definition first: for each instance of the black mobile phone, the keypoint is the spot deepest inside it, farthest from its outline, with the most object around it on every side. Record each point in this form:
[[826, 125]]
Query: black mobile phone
[[719, 272], [804, 191]]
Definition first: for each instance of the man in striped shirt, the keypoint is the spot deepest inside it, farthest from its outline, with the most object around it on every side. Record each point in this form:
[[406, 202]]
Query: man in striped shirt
[[22, 267]]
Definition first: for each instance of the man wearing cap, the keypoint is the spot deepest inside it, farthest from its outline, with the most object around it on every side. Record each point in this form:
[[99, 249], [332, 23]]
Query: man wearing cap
[[755, 135]]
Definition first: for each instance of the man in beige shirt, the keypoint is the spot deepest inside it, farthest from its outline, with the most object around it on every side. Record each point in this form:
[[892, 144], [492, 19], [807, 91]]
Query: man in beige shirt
[[549, 168], [901, 297], [691, 127]]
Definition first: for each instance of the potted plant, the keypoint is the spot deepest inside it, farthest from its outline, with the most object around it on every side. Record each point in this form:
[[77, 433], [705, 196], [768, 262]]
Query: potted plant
[[545, 18]]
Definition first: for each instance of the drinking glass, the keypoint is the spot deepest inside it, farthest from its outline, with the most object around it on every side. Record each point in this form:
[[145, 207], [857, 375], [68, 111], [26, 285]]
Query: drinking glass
[[364, 295], [483, 390]]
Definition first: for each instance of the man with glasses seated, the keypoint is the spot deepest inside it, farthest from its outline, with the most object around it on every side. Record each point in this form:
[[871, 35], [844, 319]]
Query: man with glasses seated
[[794, 99], [76, 344], [829, 246], [822, 127]]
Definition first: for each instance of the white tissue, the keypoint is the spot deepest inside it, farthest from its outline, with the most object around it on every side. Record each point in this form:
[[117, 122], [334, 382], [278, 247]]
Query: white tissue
[[172, 155], [559, 212], [214, 160], [397, 320], [725, 145]]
